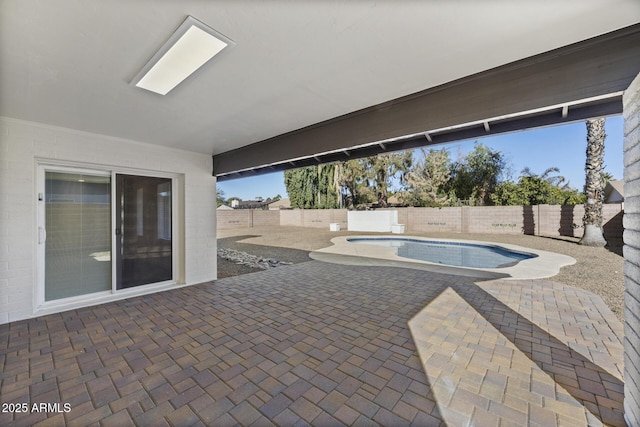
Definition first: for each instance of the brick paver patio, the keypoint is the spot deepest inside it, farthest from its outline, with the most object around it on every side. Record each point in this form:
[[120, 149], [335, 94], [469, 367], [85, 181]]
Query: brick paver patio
[[322, 344]]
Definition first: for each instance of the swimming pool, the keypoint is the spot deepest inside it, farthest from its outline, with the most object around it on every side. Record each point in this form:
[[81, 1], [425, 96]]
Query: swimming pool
[[457, 254]]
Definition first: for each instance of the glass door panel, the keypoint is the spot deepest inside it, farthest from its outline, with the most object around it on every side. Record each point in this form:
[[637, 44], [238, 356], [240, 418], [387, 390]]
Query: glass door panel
[[143, 230], [78, 226]]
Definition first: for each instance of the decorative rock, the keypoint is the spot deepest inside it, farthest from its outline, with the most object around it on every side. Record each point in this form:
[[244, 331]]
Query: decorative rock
[[252, 261]]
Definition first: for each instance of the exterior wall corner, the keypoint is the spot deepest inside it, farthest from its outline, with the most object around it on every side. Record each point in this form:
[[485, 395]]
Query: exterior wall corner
[[631, 111]]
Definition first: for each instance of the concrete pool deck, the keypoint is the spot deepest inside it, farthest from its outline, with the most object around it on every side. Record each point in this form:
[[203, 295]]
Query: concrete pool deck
[[545, 264]]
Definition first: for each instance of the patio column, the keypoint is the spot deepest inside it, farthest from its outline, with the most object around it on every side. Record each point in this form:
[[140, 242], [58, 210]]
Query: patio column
[[631, 105]]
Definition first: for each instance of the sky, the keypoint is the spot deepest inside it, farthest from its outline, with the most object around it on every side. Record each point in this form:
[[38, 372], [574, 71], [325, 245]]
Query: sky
[[539, 149]]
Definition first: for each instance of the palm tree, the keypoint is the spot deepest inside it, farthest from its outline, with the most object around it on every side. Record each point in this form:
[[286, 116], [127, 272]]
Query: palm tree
[[592, 220], [606, 177], [337, 179], [555, 180]]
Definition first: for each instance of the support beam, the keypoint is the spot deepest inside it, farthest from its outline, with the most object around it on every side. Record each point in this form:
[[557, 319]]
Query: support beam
[[596, 67], [486, 127], [565, 111], [606, 107]]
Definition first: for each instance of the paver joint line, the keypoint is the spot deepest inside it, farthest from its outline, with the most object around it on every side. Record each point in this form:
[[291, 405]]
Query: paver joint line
[[305, 343]]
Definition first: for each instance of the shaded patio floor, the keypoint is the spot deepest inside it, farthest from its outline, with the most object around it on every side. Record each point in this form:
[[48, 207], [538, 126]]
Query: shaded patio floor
[[323, 344]]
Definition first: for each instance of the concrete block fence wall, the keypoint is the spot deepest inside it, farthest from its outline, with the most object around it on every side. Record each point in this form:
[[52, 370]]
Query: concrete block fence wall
[[545, 220], [313, 218], [264, 218], [430, 219], [631, 147], [247, 218], [567, 220]]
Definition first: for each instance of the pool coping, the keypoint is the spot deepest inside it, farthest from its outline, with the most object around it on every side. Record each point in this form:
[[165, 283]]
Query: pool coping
[[545, 264]]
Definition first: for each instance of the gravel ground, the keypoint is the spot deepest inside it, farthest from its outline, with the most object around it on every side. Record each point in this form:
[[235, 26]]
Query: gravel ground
[[228, 268], [598, 270]]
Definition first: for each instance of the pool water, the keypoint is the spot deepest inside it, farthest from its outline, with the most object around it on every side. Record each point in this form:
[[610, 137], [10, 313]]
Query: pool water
[[450, 253]]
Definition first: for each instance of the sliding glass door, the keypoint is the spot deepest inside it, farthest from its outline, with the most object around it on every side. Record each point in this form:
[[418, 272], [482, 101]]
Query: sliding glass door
[[143, 230], [78, 234], [102, 231]]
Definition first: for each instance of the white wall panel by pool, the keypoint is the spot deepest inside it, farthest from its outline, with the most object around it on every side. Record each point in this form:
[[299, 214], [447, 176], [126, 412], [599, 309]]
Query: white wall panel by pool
[[380, 221]]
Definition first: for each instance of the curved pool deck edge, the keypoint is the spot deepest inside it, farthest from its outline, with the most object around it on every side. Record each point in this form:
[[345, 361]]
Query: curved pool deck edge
[[545, 264]]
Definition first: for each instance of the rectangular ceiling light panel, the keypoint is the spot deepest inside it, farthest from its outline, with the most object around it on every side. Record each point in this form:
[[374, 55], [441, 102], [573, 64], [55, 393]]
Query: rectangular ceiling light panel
[[190, 47]]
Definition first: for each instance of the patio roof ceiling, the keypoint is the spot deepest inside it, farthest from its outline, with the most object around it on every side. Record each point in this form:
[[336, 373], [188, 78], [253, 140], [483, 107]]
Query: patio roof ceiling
[[569, 84], [69, 63]]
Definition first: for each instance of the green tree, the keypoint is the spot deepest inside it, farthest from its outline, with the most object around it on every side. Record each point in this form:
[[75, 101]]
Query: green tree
[[593, 234], [219, 198], [426, 181], [312, 187], [383, 168], [302, 186], [476, 176], [568, 196], [328, 196], [510, 194], [534, 189], [353, 177]]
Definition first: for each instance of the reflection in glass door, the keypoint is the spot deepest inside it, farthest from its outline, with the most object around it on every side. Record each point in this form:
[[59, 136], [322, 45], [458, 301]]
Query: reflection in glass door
[[143, 230], [78, 241]]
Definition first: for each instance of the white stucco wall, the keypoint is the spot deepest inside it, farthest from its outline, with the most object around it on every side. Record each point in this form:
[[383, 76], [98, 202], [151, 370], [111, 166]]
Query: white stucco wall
[[631, 221], [380, 221], [23, 144]]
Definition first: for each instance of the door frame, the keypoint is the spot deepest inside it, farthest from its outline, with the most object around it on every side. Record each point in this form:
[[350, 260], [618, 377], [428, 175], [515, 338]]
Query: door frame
[[46, 165], [117, 245]]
